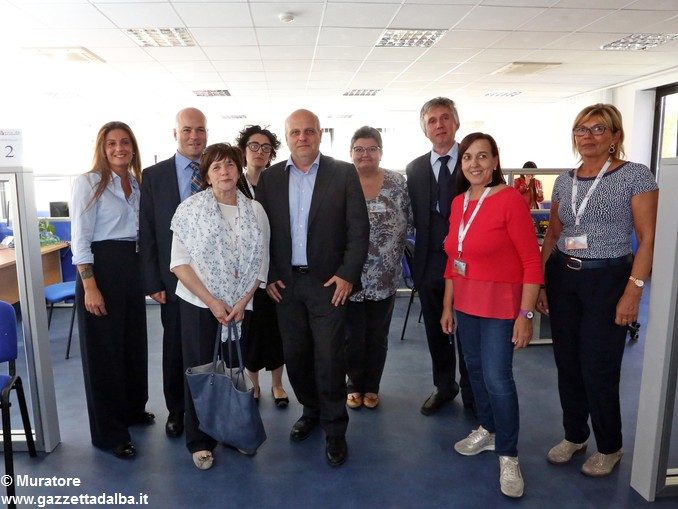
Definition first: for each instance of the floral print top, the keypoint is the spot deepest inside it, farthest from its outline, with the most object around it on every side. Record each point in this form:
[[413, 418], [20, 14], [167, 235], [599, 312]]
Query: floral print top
[[390, 219]]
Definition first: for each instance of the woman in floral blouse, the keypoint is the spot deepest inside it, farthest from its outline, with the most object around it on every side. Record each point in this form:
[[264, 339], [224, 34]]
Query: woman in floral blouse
[[220, 256], [370, 309]]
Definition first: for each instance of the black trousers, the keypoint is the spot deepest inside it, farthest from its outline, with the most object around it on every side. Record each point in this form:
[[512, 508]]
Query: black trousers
[[198, 333], [368, 323], [588, 349], [172, 359], [443, 350], [313, 332], [114, 348], [264, 344]]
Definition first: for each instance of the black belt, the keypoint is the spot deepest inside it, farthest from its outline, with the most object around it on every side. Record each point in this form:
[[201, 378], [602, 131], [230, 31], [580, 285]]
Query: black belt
[[574, 263], [301, 269]]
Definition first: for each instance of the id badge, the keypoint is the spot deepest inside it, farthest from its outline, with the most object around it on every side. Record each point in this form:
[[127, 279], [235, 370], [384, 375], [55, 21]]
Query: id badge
[[378, 207], [578, 242], [460, 267]]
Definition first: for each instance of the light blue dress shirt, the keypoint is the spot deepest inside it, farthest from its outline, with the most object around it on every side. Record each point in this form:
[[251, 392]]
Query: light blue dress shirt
[[301, 192], [111, 217], [184, 174], [435, 162]]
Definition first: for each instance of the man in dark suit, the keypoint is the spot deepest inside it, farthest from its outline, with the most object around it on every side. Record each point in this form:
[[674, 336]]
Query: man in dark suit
[[319, 240], [430, 196], [165, 185]]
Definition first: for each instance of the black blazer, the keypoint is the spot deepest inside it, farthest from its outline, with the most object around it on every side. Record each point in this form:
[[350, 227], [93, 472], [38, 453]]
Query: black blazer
[[159, 200], [338, 225], [423, 190]]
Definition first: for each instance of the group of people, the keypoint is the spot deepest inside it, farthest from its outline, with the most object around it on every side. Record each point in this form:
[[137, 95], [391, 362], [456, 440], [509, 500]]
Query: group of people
[[305, 257]]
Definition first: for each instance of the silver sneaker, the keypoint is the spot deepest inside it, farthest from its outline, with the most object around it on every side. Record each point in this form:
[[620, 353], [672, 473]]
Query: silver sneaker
[[563, 452], [600, 465], [510, 478], [478, 441]]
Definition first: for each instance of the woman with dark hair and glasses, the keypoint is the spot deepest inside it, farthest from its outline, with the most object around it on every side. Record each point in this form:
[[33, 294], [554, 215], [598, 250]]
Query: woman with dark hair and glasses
[[109, 293], [492, 280], [369, 310], [594, 283], [264, 344], [220, 256]]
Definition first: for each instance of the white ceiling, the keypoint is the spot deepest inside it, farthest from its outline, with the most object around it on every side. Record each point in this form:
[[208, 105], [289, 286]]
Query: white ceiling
[[330, 48]]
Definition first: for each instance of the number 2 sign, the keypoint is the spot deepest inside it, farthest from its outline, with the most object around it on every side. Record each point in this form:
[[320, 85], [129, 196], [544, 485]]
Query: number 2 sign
[[10, 147]]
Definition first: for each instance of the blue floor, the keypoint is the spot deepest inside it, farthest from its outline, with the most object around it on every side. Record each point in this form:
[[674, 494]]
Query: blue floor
[[398, 458]]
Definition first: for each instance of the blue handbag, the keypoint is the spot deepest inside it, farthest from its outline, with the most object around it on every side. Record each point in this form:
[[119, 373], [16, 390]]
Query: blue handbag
[[224, 400]]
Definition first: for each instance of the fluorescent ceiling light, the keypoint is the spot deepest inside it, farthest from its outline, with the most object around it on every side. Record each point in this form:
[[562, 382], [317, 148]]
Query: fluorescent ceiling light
[[526, 68], [161, 37], [233, 117], [635, 42], [362, 92], [409, 38], [67, 54], [503, 93], [212, 93]]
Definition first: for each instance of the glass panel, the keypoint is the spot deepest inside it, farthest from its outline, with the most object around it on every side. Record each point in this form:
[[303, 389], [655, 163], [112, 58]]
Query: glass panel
[[669, 139]]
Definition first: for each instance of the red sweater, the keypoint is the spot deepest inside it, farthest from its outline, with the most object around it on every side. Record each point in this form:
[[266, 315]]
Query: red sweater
[[500, 251]]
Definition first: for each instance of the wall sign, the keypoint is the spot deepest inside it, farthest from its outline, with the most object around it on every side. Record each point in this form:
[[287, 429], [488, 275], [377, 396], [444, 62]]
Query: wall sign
[[10, 147]]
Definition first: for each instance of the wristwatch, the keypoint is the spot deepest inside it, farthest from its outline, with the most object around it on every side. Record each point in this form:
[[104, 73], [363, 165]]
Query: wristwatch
[[527, 314], [638, 282]]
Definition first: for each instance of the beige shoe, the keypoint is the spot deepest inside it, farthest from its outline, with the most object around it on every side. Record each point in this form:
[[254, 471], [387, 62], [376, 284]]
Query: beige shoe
[[370, 400], [510, 479], [203, 460], [563, 452], [600, 465], [354, 400]]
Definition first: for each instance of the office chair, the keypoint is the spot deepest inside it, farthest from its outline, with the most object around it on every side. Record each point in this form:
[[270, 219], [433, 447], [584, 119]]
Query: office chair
[[408, 257], [8, 353], [61, 292]]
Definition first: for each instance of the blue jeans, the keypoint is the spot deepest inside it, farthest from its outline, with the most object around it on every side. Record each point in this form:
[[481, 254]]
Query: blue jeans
[[488, 351]]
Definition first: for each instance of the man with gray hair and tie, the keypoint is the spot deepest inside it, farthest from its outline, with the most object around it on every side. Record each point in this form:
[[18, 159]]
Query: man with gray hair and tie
[[431, 185], [165, 185]]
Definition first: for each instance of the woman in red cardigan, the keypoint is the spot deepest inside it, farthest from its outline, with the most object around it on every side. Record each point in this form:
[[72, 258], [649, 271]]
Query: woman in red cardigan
[[491, 285], [530, 187]]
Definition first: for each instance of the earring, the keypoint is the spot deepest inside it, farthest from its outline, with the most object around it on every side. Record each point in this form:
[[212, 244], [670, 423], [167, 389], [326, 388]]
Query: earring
[[612, 148]]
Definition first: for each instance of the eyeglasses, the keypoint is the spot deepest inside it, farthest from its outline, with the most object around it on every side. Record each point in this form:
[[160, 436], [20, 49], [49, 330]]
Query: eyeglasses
[[254, 147], [595, 130], [370, 150]]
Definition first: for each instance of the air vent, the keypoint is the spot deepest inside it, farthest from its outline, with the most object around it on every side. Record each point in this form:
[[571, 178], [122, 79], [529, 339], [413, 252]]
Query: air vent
[[362, 92], [410, 38], [526, 68], [233, 117], [636, 42], [341, 115], [161, 37], [212, 93], [503, 93]]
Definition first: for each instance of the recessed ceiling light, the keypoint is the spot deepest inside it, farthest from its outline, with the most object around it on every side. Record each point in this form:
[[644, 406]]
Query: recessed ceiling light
[[635, 42], [409, 38], [161, 37], [503, 93], [525, 68], [211, 93], [362, 92], [67, 54]]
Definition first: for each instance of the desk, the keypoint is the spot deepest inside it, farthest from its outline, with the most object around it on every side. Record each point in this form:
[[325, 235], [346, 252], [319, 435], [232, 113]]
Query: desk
[[51, 270]]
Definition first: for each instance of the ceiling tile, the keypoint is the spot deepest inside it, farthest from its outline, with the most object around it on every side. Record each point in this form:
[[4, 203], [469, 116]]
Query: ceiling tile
[[520, 40], [567, 20], [396, 54], [287, 36], [498, 18], [430, 16], [232, 52], [629, 21], [141, 14], [336, 65], [385, 66], [470, 39], [206, 15], [220, 37], [68, 15], [342, 52], [358, 15], [238, 65], [234, 76], [177, 54], [349, 37], [439, 54], [121, 54], [286, 52], [287, 65], [305, 14]]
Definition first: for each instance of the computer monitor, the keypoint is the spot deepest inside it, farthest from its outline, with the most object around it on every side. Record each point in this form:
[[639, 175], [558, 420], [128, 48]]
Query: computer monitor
[[58, 209]]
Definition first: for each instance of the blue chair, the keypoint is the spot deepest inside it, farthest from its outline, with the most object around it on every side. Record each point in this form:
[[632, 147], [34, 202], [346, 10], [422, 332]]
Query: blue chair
[[407, 259], [61, 292], [8, 353]]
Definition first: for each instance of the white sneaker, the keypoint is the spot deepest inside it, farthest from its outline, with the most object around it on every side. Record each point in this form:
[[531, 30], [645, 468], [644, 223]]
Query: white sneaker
[[478, 441], [510, 478]]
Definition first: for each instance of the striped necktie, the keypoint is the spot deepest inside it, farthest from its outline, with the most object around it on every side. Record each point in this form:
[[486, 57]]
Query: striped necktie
[[196, 179]]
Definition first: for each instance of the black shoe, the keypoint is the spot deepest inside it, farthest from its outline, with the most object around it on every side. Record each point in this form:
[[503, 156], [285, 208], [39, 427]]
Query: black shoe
[[280, 402], [143, 418], [302, 428], [125, 451], [436, 401], [336, 450], [174, 426]]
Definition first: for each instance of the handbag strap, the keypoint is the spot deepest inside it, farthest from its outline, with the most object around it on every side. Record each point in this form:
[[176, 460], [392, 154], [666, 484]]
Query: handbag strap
[[233, 332]]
